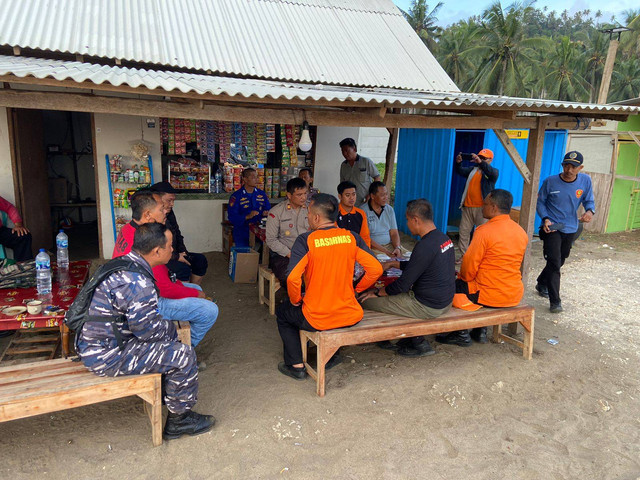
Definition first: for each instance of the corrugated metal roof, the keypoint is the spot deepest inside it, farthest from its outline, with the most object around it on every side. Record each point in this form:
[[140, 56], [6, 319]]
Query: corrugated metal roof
[[342, 42], [167, 82]]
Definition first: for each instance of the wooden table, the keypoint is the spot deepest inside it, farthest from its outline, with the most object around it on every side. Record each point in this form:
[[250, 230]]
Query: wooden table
[[255, 230], [61, 296]]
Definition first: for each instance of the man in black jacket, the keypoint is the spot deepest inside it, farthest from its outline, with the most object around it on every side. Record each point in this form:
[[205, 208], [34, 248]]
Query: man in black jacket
[[188, 266], [481, 179]]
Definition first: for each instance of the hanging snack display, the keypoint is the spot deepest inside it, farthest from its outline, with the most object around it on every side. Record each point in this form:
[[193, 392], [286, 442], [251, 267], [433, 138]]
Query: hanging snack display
[[273, 149]]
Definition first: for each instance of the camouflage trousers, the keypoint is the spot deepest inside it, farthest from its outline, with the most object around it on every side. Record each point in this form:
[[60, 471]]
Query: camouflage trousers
[[176, 361]]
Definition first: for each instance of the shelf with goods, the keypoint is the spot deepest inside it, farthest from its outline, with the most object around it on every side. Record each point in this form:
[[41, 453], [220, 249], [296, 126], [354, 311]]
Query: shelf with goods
[[229, 147], [125, 178], [189, 175]]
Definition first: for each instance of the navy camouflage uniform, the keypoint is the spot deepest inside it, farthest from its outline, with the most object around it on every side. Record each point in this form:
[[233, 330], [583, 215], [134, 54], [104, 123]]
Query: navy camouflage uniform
[[241, 204], [150, 343]]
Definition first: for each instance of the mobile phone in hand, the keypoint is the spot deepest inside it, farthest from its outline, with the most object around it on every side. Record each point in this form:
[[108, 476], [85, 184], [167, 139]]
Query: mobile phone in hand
[[466, 156], [555, 227]]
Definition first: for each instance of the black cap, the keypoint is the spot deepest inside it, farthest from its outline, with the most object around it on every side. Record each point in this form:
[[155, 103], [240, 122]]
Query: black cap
[[574, 158], [163, 187]]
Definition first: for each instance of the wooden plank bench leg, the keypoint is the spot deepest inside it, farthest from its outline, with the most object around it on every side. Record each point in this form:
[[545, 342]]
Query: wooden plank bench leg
[[528, 326], [152, 402], [497, 330], [325, 352], [260, 289]]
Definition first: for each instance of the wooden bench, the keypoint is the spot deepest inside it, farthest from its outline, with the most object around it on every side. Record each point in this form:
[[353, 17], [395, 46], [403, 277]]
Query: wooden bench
[[266, 275], [375, 327], [53, 385]]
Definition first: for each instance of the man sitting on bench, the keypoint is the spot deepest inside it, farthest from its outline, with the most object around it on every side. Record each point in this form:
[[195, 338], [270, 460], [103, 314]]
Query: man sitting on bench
[[144, 342], [490, 271], [427, 284], [325, 257]]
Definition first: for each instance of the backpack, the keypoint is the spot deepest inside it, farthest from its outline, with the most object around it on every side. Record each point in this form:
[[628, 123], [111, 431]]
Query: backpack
[[78, 313]]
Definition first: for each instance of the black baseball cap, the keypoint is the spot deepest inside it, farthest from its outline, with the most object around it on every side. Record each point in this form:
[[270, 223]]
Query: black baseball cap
[[574, 158], [163, 187]]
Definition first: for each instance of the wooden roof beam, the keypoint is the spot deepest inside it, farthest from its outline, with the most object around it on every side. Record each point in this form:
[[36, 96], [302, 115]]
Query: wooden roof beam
[[513, 154]]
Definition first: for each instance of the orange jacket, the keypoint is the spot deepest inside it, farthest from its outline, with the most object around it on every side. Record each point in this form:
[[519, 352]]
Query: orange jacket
[[492, 262], [326, 259]]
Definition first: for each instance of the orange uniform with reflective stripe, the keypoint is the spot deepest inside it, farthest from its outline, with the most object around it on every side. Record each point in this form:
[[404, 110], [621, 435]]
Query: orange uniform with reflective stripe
[[474, 192], [326, 258], [492, 262]]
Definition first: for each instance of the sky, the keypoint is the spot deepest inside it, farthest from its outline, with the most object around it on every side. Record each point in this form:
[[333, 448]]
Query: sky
[[454, 10]]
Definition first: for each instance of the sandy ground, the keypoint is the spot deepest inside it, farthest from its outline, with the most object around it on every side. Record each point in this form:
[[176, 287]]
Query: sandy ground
[[480, 413]]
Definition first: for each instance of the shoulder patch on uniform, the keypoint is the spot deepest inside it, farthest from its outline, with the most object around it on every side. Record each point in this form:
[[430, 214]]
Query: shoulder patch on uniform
[[272, 215], [579, 193], [232, 201]]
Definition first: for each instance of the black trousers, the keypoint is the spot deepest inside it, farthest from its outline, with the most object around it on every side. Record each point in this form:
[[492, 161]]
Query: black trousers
[[463, 287], [290, 321], [279, 265], [183, 271], [21, 246], [556, 247]]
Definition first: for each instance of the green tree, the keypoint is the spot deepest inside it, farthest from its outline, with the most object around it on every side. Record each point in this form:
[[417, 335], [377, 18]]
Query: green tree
[[625, 80], [454, 54], [504, 48], [424, 21], [594, 55], [564, 80]]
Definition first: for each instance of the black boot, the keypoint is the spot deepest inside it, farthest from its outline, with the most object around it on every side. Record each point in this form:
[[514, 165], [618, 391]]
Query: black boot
[[542, 290], [460, 338], [479, 335], [188, 423]]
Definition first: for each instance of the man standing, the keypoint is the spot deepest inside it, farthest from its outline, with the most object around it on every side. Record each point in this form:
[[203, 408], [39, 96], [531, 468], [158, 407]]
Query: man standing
[[145, 342], [351, 217], [306, 175], [285, 222], [359, 170], [558, 202], [385, 237], [490, 271], [246, 206], [178, 300], [427, 284], [17, 238], [325, 259], [188, 266], [481, 179]]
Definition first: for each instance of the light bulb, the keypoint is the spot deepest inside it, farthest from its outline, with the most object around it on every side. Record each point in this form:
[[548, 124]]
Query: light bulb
[[305, 140]]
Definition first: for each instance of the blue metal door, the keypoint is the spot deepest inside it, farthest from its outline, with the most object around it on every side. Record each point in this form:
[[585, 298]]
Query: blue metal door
[[425, 166]]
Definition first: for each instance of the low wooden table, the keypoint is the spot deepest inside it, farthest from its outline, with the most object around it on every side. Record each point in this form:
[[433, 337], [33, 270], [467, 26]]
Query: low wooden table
[[61, 296]]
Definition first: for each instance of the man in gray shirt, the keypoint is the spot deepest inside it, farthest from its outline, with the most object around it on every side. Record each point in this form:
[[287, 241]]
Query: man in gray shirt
[[359, 170]]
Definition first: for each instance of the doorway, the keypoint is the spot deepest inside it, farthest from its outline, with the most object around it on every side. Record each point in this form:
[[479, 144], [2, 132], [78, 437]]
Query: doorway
[[55, 180], [466, 141]]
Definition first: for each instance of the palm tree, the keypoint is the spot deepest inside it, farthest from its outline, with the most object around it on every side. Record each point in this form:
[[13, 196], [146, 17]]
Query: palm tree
[[504, 49], [595, 46], [453, 52], [424, 21], [630, 41], [564, 81], [625, 80]]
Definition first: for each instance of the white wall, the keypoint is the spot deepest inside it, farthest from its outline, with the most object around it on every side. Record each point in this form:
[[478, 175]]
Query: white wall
[[116, 134], [373, 143], [199, 222], [328, 156], [6, 172]]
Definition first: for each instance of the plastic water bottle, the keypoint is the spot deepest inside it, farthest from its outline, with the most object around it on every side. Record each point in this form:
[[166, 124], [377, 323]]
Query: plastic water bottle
[[43, 273], [218, 182], [62, 255]]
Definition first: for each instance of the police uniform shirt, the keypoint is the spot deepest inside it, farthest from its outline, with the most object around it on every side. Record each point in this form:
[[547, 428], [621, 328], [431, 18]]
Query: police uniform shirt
[[284, 224], [242, 203]]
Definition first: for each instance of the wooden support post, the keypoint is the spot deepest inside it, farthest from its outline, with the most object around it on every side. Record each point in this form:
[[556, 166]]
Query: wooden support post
[[513, 153], [530, 196], [390, 157], [608, 70]]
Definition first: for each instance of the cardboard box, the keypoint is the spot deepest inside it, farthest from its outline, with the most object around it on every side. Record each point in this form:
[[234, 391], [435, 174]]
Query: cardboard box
[[243, 265]]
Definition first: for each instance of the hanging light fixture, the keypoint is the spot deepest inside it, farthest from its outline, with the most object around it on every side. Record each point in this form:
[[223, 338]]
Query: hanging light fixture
[[305, 140]]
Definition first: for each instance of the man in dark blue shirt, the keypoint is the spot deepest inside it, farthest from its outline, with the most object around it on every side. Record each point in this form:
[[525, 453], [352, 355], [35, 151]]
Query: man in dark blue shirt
[[427, 284], [558, 202], [246, 206]]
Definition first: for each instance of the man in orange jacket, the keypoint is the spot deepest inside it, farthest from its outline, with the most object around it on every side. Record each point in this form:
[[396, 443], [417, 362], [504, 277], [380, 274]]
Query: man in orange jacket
[[324, 258], [490, 272]]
